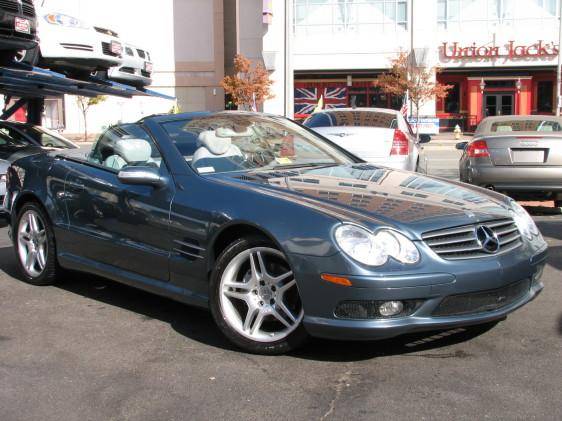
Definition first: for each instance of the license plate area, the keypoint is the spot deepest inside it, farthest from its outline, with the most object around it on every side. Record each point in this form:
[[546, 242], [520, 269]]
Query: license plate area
[[528, 156], [22, 26]]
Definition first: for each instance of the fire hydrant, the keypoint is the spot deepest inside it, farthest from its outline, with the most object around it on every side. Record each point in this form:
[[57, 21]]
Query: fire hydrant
[[457, 132]]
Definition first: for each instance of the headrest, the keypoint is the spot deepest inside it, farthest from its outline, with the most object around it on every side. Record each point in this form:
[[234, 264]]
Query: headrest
[[133, 150], [216, 145], [228, 132]]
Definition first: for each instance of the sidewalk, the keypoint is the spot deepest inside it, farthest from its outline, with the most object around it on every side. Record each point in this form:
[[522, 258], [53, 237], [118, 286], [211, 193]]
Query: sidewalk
[[447, 139]]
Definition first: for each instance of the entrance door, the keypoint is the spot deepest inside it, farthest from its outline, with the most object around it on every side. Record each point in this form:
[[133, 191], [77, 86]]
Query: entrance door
[[498, 104]]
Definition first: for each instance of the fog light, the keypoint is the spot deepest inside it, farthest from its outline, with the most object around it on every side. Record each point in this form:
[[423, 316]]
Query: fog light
[[391, 308]]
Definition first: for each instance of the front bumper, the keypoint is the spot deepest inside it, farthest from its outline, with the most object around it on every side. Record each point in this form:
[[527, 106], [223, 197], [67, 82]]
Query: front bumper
[[320, 299]]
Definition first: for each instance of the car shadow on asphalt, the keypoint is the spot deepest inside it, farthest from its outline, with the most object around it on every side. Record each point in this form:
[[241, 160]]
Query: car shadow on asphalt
[[552, 229], [198, 325]]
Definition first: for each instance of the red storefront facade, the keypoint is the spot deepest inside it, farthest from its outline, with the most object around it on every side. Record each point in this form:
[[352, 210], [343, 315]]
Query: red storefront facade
[[479, 93]]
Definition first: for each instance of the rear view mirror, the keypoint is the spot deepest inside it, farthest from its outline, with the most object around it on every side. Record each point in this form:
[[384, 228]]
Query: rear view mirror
[[425, 138], [141, 176], [461, 146]]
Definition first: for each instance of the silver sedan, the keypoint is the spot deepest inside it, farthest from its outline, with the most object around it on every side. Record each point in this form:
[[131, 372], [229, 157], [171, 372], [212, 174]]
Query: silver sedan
[[376, 135], [517, 155]]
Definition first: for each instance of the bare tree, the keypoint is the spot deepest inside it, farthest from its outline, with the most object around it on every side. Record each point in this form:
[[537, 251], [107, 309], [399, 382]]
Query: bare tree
[[85, 103]]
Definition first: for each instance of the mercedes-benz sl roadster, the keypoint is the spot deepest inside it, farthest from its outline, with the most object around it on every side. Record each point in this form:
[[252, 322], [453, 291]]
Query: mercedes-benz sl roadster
[[280, 232]]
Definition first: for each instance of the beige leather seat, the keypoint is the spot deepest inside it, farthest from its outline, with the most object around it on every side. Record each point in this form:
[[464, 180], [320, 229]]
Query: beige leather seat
[[129, 152]]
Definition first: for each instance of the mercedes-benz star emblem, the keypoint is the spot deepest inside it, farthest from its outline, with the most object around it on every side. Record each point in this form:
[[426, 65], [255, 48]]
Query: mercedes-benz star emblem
[[487, 239]]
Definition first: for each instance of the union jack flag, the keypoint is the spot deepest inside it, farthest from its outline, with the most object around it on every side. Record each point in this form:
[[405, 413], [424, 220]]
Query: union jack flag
[[335, 97], [306, 100]]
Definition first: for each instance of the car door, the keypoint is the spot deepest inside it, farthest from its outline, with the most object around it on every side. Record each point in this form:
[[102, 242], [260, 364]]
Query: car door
[[122, 226]]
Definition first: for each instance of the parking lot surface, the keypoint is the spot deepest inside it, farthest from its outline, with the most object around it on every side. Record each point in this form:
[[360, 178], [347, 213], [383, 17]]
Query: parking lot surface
[[92, 349]]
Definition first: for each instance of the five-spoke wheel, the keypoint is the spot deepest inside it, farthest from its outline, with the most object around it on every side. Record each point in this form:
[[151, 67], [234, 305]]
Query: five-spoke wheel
[[257, 299], [35, 247]]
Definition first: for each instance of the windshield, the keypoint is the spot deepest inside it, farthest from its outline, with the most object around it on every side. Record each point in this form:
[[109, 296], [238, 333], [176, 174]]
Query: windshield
[[228, 142], [533, 125], [47, 138]]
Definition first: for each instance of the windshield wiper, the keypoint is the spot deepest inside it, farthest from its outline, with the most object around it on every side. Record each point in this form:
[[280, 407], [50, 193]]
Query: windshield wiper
[[309, 165]]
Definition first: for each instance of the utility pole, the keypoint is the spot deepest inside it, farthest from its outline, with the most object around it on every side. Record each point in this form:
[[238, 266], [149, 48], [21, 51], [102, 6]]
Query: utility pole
[[559, 68], [289, 72]]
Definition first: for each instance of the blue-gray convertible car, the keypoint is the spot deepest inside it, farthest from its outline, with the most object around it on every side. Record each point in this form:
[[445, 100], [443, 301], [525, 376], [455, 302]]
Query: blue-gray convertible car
[[277, 230]]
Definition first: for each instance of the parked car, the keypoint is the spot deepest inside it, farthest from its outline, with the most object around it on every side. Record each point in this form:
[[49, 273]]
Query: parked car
[[18, 140], [3, 170], [376, 135], [281, 233], [136, 69], [74, 46], [517, 155], [29, 134], [18, 29]]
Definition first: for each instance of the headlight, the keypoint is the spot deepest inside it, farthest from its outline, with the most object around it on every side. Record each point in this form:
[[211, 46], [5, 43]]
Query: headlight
[[524, 222], [65, 20], [375, 249]]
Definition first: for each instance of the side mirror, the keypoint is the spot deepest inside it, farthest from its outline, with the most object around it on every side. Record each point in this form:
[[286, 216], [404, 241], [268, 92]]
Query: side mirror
[[424, 138], [461, 146], [141, 176]]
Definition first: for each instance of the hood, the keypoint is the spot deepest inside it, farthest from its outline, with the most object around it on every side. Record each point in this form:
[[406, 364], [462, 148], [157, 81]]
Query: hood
[[373, 196]]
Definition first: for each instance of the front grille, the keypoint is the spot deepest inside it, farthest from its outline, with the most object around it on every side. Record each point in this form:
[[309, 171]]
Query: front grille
[[9, 6], [81, 47], [462, 242], [129, 70], [28, 8], [480, 302], [106, 48]]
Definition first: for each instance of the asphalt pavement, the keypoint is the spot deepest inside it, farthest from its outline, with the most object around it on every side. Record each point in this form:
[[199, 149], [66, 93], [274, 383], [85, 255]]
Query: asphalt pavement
[[92, 349]]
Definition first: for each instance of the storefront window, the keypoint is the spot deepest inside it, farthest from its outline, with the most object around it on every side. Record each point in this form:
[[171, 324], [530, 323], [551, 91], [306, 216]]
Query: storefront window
[[544, 96], [453, 99], [313, 17]]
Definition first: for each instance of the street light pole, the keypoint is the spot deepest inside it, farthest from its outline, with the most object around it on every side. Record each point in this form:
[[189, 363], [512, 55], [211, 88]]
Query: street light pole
[[289, 72], [559, 68]]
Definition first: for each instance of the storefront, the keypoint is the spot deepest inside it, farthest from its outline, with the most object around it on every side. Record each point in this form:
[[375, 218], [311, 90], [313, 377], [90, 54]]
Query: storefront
[[495, 79], [339, 90]]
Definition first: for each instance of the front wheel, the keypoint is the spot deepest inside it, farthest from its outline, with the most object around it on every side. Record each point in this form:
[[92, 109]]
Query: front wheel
[[34, 243], [255, 300]]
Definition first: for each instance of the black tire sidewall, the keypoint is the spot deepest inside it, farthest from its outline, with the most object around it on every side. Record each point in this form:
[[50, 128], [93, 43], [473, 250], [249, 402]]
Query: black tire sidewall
[[49, 274], [296, 339]]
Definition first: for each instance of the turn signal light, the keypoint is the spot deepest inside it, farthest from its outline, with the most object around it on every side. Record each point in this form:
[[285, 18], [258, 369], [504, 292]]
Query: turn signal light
[[400, 144], [336, 280], [478, 149]]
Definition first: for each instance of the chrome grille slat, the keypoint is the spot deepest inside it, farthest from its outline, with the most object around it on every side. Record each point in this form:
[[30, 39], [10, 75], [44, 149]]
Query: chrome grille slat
[[460, 243], [509, 238], [463, 239], [506, 231]]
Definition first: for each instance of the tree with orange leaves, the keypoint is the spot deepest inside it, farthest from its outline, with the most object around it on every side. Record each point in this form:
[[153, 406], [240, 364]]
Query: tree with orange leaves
[[249, 87], [417, 81]]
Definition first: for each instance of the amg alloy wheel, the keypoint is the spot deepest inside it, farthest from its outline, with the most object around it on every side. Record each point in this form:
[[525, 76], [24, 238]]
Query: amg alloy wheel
[[257, 301], [34, 245]]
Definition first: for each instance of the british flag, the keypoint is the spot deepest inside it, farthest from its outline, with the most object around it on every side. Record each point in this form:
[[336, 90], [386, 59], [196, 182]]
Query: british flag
[[306, 100], [335, 97]]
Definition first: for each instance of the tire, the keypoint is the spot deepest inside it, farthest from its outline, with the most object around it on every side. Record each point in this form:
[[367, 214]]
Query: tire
[[558, 203], [254, 298], [33, 232]]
